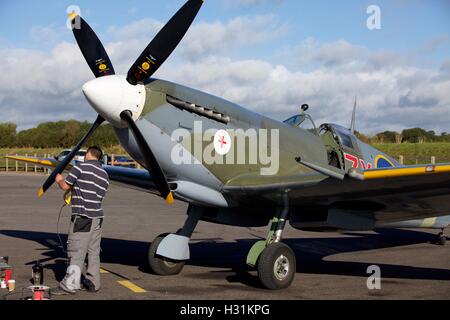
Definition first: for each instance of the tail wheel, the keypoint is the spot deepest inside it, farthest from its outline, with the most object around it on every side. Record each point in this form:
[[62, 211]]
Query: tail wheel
[[160, 265], [276, 266]]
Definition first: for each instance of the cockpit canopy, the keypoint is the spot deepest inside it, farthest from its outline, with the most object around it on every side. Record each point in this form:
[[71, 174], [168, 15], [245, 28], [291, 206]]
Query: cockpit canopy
[[303, 121], [341, 134]]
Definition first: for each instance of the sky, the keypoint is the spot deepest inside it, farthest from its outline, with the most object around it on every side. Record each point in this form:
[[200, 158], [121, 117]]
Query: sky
[[270, 56]]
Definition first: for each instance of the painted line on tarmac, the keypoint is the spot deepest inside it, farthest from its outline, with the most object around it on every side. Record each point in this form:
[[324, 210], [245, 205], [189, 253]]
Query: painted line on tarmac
[[125, 282], [130, 285], [103, 270]]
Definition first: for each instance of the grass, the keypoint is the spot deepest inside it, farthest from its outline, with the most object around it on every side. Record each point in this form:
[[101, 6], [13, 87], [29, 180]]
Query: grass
[[417, 152]]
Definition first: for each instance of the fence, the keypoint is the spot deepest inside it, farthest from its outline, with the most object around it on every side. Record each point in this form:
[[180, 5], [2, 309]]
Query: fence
[[10, 165], [417, 160]]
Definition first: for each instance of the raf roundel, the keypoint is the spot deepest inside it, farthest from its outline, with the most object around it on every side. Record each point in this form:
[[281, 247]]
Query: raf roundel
[[222, 142]]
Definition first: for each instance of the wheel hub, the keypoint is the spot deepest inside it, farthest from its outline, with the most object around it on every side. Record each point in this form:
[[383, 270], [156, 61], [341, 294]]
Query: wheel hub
[[169, 263], [281, 267]]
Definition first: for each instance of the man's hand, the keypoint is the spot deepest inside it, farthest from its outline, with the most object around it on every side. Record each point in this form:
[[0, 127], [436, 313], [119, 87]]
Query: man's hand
[[59, 179]]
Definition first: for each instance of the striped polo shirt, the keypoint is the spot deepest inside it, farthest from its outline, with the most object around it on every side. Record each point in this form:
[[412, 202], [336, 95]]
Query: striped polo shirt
[[90, 182]]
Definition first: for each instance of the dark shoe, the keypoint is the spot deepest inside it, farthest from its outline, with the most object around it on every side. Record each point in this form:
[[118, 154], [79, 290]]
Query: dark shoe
[[61, 292], [64, 288], [87, 285]]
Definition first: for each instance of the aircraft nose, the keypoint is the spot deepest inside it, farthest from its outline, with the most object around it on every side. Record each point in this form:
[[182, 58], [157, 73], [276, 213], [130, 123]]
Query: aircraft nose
[[110, 95], [103, 94]]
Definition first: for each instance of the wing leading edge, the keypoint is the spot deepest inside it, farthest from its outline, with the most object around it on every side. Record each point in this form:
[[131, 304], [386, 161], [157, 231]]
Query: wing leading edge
[[397, 172], [128, 177]]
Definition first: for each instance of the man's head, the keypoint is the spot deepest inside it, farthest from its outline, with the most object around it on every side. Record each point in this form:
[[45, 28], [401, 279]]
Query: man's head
[[93, 153]]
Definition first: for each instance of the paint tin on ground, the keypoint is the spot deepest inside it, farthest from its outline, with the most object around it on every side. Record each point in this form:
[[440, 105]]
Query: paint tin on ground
[[37, 274], [5, 272]]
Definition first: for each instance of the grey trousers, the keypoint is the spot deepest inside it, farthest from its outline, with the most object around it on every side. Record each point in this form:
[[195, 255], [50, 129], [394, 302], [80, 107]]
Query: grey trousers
[[83, 239]]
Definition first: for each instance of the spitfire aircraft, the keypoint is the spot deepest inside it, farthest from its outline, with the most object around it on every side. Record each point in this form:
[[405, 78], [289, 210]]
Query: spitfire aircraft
[[317, 177]]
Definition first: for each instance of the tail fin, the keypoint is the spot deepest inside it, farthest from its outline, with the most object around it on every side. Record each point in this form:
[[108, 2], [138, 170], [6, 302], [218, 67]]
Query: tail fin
[[352, 124]]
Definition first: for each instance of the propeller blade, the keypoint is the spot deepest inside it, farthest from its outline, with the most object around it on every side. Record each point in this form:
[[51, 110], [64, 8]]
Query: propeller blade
[[163, 43], [60, 168], [91, 47], [151, 163]]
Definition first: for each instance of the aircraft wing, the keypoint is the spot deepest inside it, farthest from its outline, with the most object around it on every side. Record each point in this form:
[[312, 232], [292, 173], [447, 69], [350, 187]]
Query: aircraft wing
[[48, 163], [388, 195], [405, 171], [138, 179], [393, 194]]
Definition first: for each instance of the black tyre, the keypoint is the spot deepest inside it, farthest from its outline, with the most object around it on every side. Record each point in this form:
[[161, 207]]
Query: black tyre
[[277, 266], [160, 265], [442, 239]]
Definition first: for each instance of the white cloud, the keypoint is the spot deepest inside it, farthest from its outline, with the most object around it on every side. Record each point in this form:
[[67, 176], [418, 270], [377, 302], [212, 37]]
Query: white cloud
[[218, 37], [313, 53], [391, 98], [39, 86], [141, 28], [392, 93], [435, 43], [203, 38], [39, 33], [48, 35]]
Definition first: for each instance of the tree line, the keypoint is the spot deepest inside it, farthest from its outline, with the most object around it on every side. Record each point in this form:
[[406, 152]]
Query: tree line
[[66, 134], [412, 135], [60, 134]]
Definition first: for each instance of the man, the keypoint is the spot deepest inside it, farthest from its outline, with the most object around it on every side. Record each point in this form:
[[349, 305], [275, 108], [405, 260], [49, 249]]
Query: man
[[88, 182]]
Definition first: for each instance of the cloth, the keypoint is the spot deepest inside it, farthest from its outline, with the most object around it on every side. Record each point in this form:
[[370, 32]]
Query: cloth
[[90, 182], [84, 239]]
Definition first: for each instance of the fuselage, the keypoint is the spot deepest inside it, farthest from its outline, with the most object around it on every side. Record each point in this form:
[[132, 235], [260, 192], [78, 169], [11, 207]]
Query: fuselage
[[175, 120], [172, 130]]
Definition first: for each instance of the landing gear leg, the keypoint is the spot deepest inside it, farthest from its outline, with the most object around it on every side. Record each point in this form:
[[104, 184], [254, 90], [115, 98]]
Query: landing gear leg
[[169, 252], [275, 261], [441, 238]]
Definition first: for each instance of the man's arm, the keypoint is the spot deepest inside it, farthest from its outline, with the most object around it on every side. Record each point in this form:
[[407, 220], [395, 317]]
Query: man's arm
[[59, 179]]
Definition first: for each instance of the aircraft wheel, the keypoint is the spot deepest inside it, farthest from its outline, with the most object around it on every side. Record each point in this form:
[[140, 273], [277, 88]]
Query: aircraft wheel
[[160, 265], [276, 266], [442, 239]]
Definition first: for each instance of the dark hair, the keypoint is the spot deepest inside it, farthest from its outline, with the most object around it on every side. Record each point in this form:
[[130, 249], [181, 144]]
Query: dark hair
[[95, 152]]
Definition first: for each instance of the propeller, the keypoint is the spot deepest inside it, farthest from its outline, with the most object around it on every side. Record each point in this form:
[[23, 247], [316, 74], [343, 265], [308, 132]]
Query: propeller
[[150, 161], [63, 164], [162, 45], [91, 48], [148, 62]]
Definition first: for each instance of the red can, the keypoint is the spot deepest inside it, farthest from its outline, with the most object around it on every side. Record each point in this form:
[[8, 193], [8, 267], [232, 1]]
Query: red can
[[39, 294], [8, 273]]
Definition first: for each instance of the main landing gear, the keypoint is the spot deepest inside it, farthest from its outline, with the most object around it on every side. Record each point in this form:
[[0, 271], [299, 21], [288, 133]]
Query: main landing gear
[[168, 253], [161, 265], [274, 260]]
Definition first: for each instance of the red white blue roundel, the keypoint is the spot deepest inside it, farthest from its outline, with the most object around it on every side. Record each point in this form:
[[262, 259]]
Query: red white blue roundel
[[222, 142]]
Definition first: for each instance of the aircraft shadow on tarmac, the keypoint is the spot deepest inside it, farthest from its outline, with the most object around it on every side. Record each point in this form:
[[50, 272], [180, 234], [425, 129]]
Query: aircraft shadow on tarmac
[[229, 257]]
